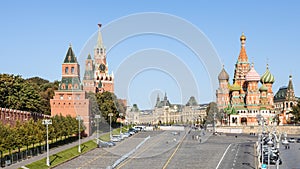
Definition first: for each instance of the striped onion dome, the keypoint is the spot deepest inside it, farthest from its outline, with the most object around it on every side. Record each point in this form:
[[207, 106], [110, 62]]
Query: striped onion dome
[[267, 77], [263, 88], [252, 75]]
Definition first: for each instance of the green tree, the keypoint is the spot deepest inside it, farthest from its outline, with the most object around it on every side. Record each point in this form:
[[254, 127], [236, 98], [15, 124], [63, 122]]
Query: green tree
[[296, 112], [212, 110], [18, 94], [108, 103]]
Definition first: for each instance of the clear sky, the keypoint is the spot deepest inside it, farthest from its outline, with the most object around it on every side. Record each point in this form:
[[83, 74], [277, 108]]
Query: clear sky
[[35, 36]]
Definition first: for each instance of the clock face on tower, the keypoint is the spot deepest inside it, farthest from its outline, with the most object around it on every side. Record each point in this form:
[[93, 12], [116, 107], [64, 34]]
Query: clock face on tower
[[102, 67]]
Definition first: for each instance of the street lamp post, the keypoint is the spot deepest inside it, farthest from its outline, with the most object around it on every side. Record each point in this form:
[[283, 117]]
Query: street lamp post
[[97, 132], [47, 122], [79, 118], [214, 127], [121, 115], [110, 115], [270, 143]]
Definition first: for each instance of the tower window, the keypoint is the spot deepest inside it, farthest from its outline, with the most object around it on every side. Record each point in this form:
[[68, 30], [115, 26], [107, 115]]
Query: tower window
[[101, 50], [72, 70], [67, 70], [97, 50]]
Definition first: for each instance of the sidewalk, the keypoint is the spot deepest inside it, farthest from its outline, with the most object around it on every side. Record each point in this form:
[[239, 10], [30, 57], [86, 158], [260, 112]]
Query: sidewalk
[[51, 152]]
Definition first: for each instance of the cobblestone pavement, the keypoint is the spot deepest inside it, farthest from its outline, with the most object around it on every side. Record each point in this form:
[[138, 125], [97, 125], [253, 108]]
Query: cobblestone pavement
[[166, 149]]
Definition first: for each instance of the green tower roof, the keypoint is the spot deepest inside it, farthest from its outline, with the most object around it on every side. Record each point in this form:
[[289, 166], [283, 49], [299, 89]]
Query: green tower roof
[[70, 56]]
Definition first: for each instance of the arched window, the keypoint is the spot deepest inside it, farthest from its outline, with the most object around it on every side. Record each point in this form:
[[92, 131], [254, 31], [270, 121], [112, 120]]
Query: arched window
[[66, 70], [287, 105], [63, 86], [291, 104], [72, 70]]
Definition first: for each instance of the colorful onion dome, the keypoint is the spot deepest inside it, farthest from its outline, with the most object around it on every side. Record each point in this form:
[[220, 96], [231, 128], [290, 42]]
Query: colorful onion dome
[[252, 75], [223, 75], [263, 88], [267, 77], [235, 87]]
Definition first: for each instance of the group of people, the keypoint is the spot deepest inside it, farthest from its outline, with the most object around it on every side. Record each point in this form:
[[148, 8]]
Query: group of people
[[197, 137]]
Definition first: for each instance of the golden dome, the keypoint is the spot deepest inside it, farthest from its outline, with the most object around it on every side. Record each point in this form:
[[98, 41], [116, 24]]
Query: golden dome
[[243, 37]]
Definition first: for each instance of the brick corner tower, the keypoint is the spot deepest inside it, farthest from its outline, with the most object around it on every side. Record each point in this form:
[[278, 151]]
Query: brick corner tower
[[70, 99]]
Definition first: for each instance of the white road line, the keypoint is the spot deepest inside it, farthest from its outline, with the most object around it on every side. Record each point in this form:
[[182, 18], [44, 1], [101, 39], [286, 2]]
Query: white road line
[[223, 156]]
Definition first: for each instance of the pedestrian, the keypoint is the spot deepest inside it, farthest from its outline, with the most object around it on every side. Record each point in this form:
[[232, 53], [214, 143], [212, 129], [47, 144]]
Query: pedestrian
[[200, 140]]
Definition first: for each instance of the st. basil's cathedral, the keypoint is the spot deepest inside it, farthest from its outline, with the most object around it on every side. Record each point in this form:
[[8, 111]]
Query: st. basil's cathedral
[[245, 99]]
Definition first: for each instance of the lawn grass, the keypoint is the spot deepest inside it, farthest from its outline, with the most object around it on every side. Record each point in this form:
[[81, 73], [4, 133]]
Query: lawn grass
[[63, 156], [71, 153]]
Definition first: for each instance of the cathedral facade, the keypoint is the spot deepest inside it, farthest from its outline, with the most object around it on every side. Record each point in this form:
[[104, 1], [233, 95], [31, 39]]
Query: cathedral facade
[[249, 96]]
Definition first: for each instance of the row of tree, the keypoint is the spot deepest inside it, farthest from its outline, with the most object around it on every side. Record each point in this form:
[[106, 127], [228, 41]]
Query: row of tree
[[33, 133], [31, 94]]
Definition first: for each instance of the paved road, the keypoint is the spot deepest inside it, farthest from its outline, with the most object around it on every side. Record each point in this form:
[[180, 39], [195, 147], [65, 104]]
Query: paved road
[[209, 154], [290, 157], [165, 150]]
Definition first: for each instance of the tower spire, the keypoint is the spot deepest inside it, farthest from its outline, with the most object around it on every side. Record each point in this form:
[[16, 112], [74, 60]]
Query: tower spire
[[99, 38], [243, 55], [290, 86]]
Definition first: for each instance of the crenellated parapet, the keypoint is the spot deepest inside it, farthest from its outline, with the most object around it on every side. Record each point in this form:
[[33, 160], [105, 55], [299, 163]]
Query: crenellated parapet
[[11, 116]]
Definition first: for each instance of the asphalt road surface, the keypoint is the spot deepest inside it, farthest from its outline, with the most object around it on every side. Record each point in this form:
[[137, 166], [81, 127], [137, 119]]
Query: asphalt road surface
[[166, 150]]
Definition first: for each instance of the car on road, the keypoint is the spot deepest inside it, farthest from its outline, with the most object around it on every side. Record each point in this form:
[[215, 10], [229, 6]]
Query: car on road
[[126, 135], [110, 143], [133, 130], [292, 140], [285, 142], [175, 133], [103, 144], [298, 140], [115, 139]]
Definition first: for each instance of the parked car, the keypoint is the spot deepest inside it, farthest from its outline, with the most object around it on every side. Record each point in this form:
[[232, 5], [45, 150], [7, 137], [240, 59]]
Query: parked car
[[115, 138], [133, 130], [103, 144], [292, 140], [110, 143], [126, 135], [298, 140]]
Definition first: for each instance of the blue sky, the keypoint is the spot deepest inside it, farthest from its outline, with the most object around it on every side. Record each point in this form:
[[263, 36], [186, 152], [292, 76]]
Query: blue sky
[[35, 35]]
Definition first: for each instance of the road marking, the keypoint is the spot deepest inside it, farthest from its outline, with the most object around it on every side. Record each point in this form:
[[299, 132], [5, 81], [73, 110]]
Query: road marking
[[146, 148], [170, 158], [223, 156], [101, 155]]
